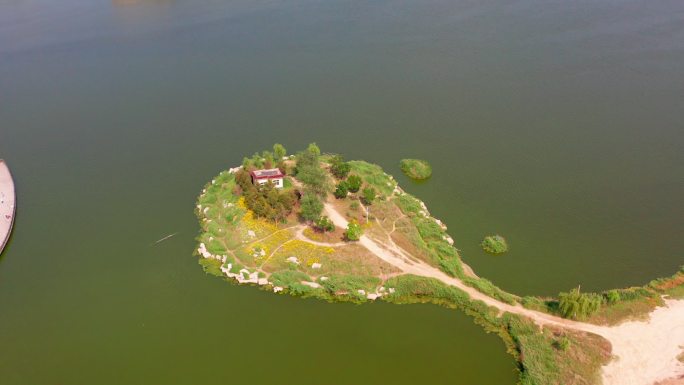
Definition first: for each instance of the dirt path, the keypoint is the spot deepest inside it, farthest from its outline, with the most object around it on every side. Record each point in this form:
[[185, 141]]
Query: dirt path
[[645, 351]]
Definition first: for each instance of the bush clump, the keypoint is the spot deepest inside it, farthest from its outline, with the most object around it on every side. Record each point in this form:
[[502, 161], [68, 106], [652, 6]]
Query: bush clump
[[494, 244], [353, 232], [416, 168]]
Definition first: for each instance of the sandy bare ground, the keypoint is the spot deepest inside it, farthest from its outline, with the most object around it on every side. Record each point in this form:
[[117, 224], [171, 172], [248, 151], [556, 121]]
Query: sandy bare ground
[[7, 198], [645, 351]]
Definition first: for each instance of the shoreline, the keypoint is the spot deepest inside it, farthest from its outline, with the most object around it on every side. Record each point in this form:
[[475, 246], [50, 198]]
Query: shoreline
[[644, 352], [7, 204]]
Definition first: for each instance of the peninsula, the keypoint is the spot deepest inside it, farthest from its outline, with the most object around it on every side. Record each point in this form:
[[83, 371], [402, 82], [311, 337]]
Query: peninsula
[[316, 225]]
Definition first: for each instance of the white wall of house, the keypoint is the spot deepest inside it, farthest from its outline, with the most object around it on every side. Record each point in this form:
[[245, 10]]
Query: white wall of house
[[277, 182]]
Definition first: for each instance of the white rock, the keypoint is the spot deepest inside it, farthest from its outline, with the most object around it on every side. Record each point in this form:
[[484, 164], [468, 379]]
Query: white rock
[[362, 292], [293, 260], [251, 233], [316, 265], [391, 290], [310, 284], [372, 296], [203, 251], [323, 278], [263, 281], [205, 210], [277, 289], [226, 269], [449, 240]]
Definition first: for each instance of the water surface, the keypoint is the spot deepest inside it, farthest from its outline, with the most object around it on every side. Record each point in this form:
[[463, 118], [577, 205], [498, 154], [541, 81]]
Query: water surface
[[556, 124]]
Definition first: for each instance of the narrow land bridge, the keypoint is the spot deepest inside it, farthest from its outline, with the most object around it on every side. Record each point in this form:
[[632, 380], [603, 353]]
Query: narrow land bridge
[[645, 351], [7, 204]]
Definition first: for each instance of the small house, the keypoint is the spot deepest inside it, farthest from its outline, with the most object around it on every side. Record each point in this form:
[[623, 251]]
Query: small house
[[260, 177]]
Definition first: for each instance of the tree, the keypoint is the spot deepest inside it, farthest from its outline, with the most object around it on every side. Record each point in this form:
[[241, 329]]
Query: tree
[[368, 195], [353, 232], [339, 167], [578, 305], [257, 160], [311, 207], [324, 224], [279, 152], [313, 149], [246, 163], [342, 190], [309, 171], [315, 179], [354, 183], [268, 159]]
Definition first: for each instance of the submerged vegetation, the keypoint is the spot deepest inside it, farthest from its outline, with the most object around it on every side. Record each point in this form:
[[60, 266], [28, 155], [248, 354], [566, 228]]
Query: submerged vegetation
[[416, 168], [494, 244]]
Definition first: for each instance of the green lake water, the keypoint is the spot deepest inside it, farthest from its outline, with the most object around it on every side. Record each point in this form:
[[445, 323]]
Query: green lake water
[[559, 125]]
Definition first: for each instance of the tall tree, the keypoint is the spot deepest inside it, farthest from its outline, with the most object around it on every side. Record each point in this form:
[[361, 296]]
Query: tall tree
[[279, 151], [311, 207]]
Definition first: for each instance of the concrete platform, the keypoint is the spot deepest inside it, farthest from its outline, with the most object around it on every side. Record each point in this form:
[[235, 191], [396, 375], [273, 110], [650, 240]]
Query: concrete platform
[[7, 204]]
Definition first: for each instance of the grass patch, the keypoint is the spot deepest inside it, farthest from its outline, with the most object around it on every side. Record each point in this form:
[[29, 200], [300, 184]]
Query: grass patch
[[350, 285], [416, 168], [374, 176], [286, 278], [211, 266]]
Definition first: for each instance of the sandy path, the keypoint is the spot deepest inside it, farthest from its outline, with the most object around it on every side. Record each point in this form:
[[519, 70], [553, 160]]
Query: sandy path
[[7, 200], [645, 351]]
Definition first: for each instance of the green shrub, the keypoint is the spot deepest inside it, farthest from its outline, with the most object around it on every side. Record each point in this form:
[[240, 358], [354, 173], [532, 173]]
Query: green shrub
[[368, 195], [416, 168], [338, 167], [494, 244], [325, 224], [612, 296], [354, 183], [575, 304], [341, 190], [353, 232]]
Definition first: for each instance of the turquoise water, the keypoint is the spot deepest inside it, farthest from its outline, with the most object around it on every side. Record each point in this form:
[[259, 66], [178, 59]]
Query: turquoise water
[[557, 125]]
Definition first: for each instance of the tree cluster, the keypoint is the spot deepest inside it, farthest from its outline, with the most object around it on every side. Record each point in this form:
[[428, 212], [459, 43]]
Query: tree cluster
[[265, 201], [310, 172], [266, 159]]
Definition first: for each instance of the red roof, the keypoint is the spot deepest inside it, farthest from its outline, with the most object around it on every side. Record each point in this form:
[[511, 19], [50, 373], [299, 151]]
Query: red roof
[[272, 173]]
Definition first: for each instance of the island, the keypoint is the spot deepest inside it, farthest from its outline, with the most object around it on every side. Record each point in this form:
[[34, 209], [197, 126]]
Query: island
[[317, 225], [417, 169]]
